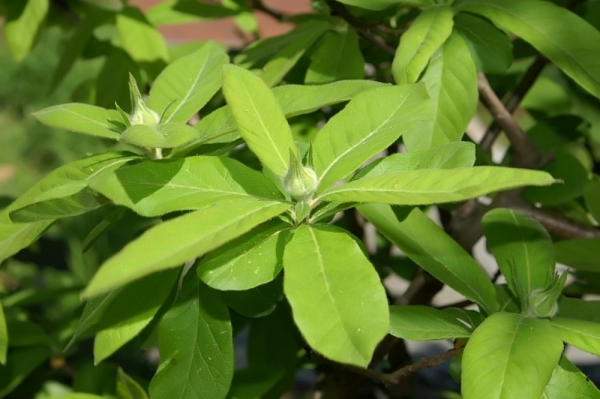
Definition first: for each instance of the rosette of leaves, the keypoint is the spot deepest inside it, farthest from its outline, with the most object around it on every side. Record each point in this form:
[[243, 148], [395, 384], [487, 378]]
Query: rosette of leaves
[[261, 235], [515, 351]]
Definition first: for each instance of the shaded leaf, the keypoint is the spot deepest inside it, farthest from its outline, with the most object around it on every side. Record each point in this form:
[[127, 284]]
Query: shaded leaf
[[139, 38], [128, 388], [422, 323], [336, 57], [24, 19], [258, 301], [19, 364], [490, 48], [580, 253], [435, 251], [520, 244], [130, 311], [382, 4], [199, 322], [552, 30]]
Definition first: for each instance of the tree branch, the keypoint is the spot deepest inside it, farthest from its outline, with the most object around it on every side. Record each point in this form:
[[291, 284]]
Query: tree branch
[[526, 154], [363, 30], [394, 377], [259, 5], [511, 104]]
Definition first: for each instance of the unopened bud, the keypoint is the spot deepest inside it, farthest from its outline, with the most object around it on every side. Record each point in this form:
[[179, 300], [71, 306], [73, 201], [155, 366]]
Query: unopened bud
[[300, 181], [140, 113], [544, 302]]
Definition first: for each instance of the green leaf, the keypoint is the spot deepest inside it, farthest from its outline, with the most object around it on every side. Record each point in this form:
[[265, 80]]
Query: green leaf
[[16, 236], [294, 100], [139, 38], [26, 333], [430, 247], [520, 245], [24, 19], [336, 57], [451, 81], [568, 379], [112, 82], [248, 261], [418, 44], [325, 269], [196, 347], [130, 311], [65, 192], [164, 246], [93, 312], [591, 196], [167, 135], [552, 30], [20, 363], [580, 333], [574, 176], [382, 4], [76, 43], [490, 48], [575, 308], [153, 188], [187, 84], [305, 35], [258, 301], [448, 156], [128, 388], [3, 337], [111, 5], [366, 126], [433, 186], [510, 356], [259, 119], [580, 253], [423, 323], [82, 118], [180, 12]]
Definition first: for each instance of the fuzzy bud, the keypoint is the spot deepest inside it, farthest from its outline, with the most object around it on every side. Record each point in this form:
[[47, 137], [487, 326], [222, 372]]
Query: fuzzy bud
[[140, 113], [300, 181], [544, 302]]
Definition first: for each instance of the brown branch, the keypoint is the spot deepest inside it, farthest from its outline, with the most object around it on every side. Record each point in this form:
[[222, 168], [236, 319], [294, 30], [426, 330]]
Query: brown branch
[[259, 5], [511, 104], [526, 154], [363, 30], [557, 224], [394, 377]]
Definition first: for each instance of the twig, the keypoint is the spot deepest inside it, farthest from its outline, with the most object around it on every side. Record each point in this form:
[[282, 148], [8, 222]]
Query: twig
[[526, 154], [364, 31], [558, 225], [258, 5], [511, 104], [394, 377]]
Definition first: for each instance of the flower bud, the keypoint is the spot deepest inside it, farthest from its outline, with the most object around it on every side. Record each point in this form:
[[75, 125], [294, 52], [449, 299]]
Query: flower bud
[[299, 182], [140, 113], [544, 302]]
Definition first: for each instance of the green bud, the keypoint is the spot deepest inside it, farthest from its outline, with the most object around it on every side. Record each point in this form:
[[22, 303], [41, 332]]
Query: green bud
[[544, 302], [300, 181], [140, 113]]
